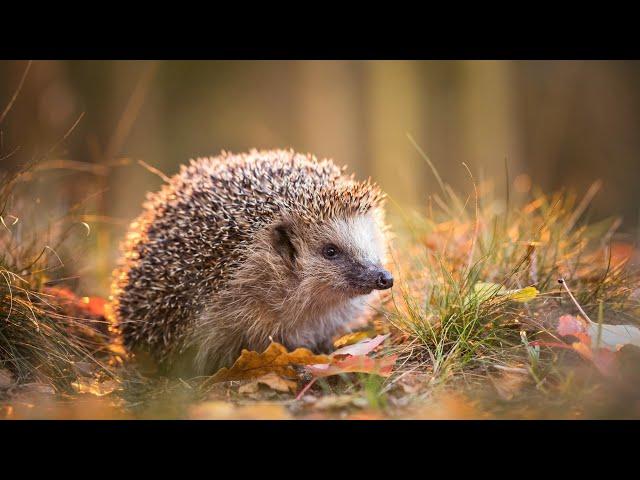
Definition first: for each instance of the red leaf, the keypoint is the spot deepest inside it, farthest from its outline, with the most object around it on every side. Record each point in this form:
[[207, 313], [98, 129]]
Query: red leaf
[[353, 358], [576, 327], [570, 325], [603, 359], [363, 364]]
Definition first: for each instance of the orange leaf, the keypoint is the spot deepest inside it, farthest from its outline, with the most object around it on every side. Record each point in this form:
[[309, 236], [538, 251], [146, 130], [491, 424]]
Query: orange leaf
[[95, 305], [274, 359]]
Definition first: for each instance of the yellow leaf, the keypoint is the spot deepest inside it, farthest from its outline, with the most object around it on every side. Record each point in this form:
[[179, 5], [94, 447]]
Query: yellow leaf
[[486, 290], [275, 359], [523, 295], [351, 338]]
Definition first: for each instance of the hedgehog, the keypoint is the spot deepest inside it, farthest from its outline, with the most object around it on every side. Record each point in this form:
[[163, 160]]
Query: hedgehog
[[240, 250]]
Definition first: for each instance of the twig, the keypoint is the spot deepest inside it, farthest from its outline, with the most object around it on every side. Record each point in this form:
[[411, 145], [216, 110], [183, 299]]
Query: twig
[[65, 136], [564, 284], [16, 93], [428, 160], [155, 171], [306, 387]]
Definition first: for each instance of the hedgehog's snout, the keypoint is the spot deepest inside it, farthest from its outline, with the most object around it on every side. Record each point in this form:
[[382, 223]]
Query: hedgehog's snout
[[384, 280], [364, 278]]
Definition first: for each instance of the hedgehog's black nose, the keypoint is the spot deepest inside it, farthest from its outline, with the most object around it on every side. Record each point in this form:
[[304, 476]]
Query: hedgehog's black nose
[[384, 281]]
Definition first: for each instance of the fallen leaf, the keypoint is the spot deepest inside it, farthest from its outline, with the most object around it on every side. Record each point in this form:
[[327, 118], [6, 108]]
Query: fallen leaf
[[568, 325], [597, 343], [95, 305], [271, 380], [612, 337], [523, 295], [487, 290], [93, 387], [352, 359], [274, 359], [362, 364], [604, 360], [360, 348], [350, 339], [249, 388], [571, 325]]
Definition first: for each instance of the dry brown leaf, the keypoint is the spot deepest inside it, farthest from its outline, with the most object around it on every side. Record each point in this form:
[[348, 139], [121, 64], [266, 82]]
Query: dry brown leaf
[[271, 380], [93, 387], [249, 388], [275, 359], [602, 358]]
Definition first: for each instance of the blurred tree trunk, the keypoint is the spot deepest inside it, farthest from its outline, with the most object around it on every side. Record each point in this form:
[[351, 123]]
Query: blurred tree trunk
[[329, 113], [136, 119], [394, 109], [489, 132]]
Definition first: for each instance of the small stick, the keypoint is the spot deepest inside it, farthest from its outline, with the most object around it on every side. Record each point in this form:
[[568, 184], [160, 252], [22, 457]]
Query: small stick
[[16, 93], [155, 171], [306, 387], [564, 284]]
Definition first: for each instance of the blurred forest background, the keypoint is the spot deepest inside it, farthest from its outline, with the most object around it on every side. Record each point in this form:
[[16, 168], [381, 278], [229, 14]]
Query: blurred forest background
[[557, 124]]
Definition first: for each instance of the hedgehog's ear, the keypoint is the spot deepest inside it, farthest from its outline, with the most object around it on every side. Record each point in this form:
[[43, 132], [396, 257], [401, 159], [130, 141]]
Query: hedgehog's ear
[[281, 238]]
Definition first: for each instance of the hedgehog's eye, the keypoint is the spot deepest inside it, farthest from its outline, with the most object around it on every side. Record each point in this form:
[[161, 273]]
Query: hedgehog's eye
[[330, 251]]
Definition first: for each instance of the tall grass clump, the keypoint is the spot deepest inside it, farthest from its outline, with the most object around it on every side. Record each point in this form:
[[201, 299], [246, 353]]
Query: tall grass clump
[[44, 338], [479, 277]]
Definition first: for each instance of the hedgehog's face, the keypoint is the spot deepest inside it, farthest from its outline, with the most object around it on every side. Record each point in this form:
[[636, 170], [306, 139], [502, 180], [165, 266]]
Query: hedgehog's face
[[342, 257]]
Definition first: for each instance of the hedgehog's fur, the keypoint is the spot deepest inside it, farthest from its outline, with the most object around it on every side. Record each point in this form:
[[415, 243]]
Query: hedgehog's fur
[[225, 257]]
